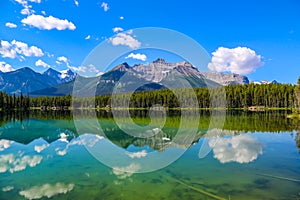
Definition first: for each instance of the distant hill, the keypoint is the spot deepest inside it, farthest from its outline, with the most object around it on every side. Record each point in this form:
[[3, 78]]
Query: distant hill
[[25, 80]]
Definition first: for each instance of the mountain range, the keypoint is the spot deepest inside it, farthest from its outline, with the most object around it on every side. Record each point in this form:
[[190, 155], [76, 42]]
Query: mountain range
[[155, 75], [25, 80]]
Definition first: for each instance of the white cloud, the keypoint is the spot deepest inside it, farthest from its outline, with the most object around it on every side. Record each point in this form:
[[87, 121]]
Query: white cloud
[[43, 12], [87, 37], [117, 29], [12, 49], [7, 188], [241, 149], [240, 60], [127, 171], [27, 9], [6, 50], [87, 140], [62, 59], [76, 3], [137, 56], [40, 148], [23, 49], [35, 1], [13, 163], [121, 17], [10, 25], [48, 23], [4, 67], [46, 190], [84, 69], [61, 152], [138, 154], [125, 39], [4, 144], [41, 63], [105, 6], [78, 69]]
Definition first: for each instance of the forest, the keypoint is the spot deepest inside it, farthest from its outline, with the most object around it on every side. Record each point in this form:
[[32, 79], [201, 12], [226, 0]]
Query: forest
[[237, 96]]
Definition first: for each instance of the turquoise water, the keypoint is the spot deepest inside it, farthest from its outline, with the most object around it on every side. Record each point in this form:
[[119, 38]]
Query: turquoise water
[[43, 157]]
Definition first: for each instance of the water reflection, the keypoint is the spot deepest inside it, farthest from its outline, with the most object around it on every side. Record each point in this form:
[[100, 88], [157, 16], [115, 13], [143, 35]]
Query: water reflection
[[240, 149], [52, 158], [46, 190]]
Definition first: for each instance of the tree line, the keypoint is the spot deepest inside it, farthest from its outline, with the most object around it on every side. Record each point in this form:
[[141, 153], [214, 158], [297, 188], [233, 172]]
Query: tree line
[[11, 102], [237, 96]]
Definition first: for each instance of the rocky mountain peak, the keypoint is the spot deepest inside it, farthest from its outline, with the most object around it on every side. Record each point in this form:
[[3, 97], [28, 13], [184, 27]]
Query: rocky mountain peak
[[121, 67], [160, 61], [226, 79]]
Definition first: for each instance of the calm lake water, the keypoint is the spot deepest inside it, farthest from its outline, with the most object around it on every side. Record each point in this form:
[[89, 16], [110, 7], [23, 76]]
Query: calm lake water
[[254, 156]]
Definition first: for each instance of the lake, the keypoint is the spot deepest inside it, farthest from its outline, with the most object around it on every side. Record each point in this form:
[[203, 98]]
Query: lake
[[55, 155]]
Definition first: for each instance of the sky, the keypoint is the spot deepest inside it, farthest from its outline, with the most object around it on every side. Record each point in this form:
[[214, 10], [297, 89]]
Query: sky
[[259, 39]]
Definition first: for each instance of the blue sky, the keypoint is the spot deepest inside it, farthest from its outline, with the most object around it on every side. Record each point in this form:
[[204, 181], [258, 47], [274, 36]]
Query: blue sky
[[267, 31]]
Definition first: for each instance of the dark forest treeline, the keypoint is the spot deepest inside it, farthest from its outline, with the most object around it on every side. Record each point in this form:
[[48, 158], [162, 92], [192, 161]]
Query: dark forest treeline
[[237, 96], [10, 102]]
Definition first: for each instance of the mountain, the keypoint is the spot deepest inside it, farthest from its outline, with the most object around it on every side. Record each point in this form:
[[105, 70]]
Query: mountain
[[25, 80], [60, 77], [264, 82], [124, 78], [226, 79], [155, 75]]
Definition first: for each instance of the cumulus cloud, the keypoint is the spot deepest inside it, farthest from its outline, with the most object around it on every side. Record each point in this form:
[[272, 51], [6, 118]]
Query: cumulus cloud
[[76, 3], [27, 9], [40, 148], [137, 56], [7, 188], [40, 63], [89, 68], [24, 49], [87, 140], [61, 152], [105, 6], [125, 39], [48, 23], [87, 37], [127, 171], [84, 69], [79, 68], [10, 25], [241, 149], [6, 50], [13, 163], [138, 154], [5, 67], [117, 29], [62, 59], [240, 60], [35, 1], [14, 48], [5, 144], [46, 190], [121, 17]]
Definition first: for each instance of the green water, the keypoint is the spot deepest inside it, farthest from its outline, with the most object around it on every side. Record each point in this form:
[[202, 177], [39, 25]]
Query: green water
[[256, 156]]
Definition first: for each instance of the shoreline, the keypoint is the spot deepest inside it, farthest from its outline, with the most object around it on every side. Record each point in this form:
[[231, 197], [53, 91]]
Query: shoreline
[[160, 109]]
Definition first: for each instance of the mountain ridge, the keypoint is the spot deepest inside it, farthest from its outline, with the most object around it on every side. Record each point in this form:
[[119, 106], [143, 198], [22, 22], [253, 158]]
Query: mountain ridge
[[25, 80], [157, 74]]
